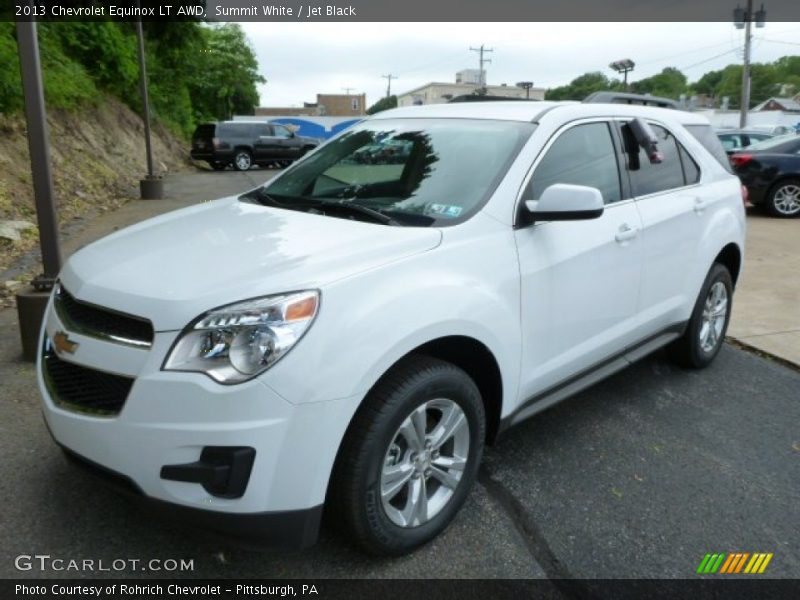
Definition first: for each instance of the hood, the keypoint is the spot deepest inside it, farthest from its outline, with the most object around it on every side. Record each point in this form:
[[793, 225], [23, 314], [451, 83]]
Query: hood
[[172, 268]]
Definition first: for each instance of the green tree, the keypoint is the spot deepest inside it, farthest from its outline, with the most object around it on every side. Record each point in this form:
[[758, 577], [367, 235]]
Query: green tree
[[384, 103], [226, 74], [669, 83], [582, 86]]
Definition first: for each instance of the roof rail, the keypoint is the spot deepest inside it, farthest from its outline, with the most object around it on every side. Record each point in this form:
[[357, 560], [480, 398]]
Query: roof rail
[[625, 98]]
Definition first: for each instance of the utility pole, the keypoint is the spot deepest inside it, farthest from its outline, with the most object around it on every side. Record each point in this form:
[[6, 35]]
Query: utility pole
[[743, 19], [389, 85], [481, 61], [347, 90]]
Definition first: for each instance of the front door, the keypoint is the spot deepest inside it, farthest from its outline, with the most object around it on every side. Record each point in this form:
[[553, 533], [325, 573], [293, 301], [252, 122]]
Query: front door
[[579, 279]]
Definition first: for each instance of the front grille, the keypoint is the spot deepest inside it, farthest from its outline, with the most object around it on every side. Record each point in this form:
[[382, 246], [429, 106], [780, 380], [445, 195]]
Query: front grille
[[83, 389], [88, 319]]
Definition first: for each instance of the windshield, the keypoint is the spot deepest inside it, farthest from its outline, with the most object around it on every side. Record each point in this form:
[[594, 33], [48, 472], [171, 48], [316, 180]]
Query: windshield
[[413, 171], [776, 143]]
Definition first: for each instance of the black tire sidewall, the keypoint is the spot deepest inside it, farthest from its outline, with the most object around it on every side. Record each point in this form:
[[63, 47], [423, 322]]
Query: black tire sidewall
[[699, 356], [454, 385]]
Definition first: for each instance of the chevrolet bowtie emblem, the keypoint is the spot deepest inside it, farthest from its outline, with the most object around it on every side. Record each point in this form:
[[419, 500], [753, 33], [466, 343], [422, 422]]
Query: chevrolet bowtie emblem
[[62, 343]]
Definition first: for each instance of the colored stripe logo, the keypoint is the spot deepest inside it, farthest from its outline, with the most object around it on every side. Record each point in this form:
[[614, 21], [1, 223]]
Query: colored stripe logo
[[733, 563]]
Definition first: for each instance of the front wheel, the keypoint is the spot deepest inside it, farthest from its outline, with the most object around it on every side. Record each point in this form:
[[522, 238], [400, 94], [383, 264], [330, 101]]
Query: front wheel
[[409, 457], [702, 340], [783, 200]]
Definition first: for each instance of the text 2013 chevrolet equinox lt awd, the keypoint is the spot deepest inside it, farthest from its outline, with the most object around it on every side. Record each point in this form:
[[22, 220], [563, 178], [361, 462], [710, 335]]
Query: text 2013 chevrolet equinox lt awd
[[351, 334]]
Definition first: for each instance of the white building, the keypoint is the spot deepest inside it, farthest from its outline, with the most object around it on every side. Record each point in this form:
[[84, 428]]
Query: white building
[[439, 92], [469, 76]]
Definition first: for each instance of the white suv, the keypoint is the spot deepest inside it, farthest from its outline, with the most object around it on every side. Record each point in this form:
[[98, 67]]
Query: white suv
[[352, 333]]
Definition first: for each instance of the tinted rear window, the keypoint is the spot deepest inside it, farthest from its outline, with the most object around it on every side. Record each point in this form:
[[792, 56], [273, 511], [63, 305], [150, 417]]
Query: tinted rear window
[[205, 131], [704, 135]]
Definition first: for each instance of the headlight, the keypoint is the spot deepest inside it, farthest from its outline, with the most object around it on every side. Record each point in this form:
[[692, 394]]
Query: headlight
[[236, 342]]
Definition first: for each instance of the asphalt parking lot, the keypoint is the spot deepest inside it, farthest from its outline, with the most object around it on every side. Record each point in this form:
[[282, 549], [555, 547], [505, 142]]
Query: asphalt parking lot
[[637, 477]]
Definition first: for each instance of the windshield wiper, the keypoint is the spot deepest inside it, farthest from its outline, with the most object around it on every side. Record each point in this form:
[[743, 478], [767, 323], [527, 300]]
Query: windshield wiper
[[304, 203]]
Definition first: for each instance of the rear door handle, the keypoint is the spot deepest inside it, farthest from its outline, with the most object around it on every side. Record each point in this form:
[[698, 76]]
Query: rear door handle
[[626, 233], [700, 204]]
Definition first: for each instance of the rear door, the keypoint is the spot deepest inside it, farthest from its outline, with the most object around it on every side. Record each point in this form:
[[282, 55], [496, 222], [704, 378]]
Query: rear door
[[289, 144], [580, 279], [674, 212], [203, 138], [266, 145]]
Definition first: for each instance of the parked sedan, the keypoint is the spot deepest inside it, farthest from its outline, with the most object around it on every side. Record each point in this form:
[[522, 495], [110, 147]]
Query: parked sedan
[[771, 172], [734, 140]]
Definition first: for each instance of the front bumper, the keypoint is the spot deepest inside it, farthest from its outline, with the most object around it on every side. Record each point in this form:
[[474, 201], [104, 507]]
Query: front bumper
[[169, 418], [295, 529]]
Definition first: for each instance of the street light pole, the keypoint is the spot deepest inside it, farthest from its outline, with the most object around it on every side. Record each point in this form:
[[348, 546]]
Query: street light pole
[[31, 302], [39, 147], [151, 187], [623, 66], [526, 85]]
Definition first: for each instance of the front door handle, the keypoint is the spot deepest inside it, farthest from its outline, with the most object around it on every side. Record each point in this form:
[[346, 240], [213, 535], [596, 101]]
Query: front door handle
[[626, 233]]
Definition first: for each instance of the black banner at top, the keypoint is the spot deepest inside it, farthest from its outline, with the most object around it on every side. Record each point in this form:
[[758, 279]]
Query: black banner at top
[[391, 10]]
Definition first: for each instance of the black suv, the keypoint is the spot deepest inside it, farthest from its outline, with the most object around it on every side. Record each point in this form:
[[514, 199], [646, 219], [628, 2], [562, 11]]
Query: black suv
[[245, 143]]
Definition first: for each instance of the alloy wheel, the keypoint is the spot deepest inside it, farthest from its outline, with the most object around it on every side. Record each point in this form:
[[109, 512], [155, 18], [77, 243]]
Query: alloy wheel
[[424, 462], [243, 161], [787, 199], [715, 313]]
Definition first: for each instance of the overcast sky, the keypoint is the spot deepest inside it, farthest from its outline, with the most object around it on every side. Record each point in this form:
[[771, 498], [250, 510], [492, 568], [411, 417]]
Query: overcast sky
[[301, 59]]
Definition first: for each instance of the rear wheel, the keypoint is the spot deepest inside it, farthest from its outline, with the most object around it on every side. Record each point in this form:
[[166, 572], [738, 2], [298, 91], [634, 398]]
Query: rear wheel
[[705, 332], [242, 160], [783, 200], [409, 457]]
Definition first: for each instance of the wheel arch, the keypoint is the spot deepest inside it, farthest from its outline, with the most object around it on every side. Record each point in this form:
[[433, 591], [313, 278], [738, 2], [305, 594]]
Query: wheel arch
[[731, 257], [469, 354]]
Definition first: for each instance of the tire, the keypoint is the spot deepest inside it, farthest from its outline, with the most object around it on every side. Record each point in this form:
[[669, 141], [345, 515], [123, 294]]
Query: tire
[[218, 166], [703, 338], [242, 160], [378, 454], [783, 199]]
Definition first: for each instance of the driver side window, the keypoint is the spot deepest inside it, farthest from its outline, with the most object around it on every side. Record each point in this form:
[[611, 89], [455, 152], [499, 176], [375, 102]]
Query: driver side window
[[281, 131], [582, 155]]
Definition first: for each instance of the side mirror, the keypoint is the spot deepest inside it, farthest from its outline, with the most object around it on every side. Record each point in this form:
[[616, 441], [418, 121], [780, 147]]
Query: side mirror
[[566, 202]]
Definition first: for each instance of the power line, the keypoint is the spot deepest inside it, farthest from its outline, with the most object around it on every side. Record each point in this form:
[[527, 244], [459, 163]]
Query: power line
[[762, 39], [657, 60], [702, 62]]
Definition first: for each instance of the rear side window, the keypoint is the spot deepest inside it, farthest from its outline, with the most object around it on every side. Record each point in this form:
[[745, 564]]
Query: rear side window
[[582, 155], [704, 135], [235, 129], [651, 178], [691, 172]]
